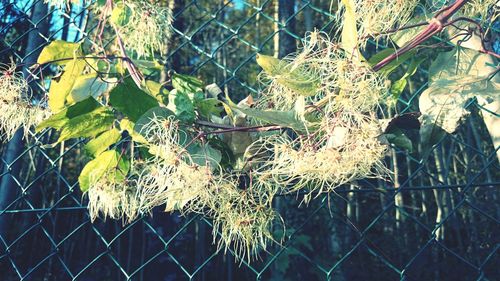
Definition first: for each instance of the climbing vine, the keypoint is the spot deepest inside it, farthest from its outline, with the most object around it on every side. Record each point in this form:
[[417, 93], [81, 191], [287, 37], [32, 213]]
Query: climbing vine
[[321, 120]]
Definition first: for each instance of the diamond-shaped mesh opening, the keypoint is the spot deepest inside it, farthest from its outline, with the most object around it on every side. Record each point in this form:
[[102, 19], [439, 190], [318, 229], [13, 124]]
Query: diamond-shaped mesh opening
[[489, 270], [380, 238], [83, 242], [483, 241], [436, 219], [361, 263], [102, 268], [443, 262], [34, 237]]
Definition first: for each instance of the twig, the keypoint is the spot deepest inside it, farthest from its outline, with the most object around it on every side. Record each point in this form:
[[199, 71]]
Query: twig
[[110, 57], [483, 49], [394, 30], [132, 69], [224, 129], [264, 128], [229, 128], [134, 72]]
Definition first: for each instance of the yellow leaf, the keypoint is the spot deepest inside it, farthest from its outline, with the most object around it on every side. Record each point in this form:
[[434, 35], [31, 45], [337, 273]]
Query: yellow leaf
[[61, 87], [349, 30]]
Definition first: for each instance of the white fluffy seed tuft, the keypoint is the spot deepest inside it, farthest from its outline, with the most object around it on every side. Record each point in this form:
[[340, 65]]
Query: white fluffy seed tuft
[[148, 30], [16, 109]]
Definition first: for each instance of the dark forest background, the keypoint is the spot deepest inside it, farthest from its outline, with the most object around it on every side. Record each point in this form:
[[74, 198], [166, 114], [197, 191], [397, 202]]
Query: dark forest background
[[437, 220]]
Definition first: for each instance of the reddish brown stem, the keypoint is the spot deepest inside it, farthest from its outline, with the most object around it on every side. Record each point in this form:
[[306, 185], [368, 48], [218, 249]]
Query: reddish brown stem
[[224, 129], [483, 49], [132, 69], [263, 128], [229, 128], [435, 26]]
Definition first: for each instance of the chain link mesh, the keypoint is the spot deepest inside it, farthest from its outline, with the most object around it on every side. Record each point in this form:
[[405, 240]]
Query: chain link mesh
[[438, 219]]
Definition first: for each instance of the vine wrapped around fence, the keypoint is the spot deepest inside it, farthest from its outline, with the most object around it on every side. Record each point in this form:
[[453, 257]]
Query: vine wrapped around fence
[[357, 133]]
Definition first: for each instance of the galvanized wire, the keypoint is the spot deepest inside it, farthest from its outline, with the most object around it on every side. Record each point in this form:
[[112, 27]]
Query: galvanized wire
[[438, 221]]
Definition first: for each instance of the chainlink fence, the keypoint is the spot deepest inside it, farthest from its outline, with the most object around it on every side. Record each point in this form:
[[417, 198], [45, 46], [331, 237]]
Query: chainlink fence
[[436, 220]]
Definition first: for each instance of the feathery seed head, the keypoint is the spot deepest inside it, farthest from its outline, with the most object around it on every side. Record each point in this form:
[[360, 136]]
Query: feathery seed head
[[16, 109], [352, 84], [171, 177], [344, 145], [107, 198], [338, 155], [376, 16], [243, 219], [148, 29], [481, 9]]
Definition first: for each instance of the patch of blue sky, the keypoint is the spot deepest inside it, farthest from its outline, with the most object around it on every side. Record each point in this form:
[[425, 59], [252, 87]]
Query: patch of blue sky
[[238, 4], [58, 17]]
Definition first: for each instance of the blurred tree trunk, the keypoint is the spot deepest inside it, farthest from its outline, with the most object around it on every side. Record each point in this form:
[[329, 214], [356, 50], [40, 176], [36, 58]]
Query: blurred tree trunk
[[308, 17], [14, 149], [398, 198], [178, 23], [284, 45], [65, 31], [286, 11], [492, 123], [440, 198]]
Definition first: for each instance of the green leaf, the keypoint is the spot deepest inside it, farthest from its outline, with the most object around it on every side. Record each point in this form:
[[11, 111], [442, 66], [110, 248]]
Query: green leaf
[[455, 78], [155, 112], [156, 90], [271, 65], [296, 79], [127, 125], [121, 14], [393, 65], [205, 155], [61, 86], [89, 85], [238, 142], [187, 84], [180, 103], [59, 50], [413, 67], [58, 120], [88, 124], [207, 107], [398, 87], [228, 158], [127, 98], [102, 142], [399, 139], [110, 164], [148, 67], [443, 106], [277, 117]]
